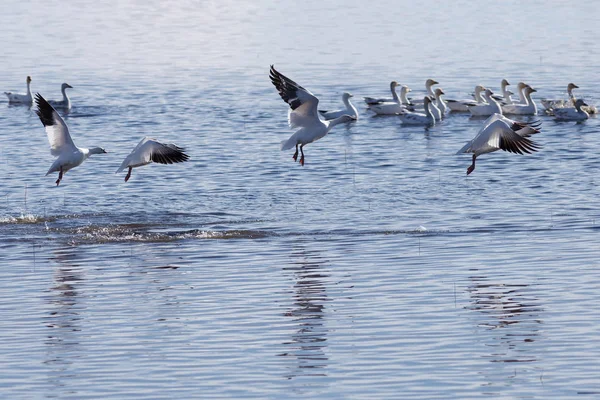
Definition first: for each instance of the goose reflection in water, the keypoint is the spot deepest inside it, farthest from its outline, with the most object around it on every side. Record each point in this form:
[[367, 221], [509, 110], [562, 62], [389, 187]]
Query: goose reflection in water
[[512, 313], [309, 341], [63, 318]]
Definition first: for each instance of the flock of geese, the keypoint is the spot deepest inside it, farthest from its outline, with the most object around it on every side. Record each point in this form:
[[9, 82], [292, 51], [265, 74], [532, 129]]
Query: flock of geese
[[497, 133], [69, 156]]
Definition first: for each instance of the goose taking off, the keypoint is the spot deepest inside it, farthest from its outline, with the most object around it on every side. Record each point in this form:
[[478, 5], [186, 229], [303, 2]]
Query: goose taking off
[[349, 110], [65, 103], [151, 150], [61, 145], [18, 98], [303, 114], [501, 133]]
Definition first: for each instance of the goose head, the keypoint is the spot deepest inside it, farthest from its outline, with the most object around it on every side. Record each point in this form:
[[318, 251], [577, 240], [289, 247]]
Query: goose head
[[430, 82], [580, 103], [521, 85], [572, 86], [345, 96], [439, 92], [66, 86], [393, 85], [529, 90], [28, 79], [504, 84]]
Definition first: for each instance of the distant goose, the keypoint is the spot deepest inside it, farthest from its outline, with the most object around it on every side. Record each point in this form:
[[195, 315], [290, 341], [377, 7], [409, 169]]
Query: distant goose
[[415, 118], [489, 108], [501, 133], [376, 100], [529, 108], [65, 102], [349, 110], [505, 97], [521, 92], [151, 150], [393, 107], [17, 98], [61, 144], [463, 105], [551, 105], [434, 109], [572, 114], [559, 103], [303, 114]]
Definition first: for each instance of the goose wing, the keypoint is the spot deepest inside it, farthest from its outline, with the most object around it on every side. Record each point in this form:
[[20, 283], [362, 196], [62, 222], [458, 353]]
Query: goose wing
[[303, 104], [56, 129]]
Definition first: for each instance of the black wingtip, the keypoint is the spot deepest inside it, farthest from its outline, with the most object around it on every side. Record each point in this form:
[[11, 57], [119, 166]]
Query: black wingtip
[[44, 111]]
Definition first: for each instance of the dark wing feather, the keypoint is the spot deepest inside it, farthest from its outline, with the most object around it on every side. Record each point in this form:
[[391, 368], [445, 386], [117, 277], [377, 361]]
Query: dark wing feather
[[287, 88], [514, 143], [168, 154]]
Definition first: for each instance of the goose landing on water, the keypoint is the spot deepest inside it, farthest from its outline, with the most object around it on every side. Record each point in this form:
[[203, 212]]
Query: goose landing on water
[[501, 133], [68, 155], [303, 114]]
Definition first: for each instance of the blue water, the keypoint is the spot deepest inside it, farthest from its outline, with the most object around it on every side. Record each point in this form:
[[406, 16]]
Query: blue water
[[377, 270]]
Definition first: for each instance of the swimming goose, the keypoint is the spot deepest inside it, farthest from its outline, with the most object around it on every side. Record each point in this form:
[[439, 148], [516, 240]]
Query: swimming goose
[[349, 110], [18, 98], [559, 103], [520, 91], [529, 108], [490, 107], [65, 102], [572, 114], [375, 100], [505, 98], [440, 103], [303, 114], [501, 133], [463, 105], [415, 118], [61, 145], [151, 150], [393, 107]]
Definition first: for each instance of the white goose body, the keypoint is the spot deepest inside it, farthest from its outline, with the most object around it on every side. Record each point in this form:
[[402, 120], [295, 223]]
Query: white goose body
[[151, 150], [393, 107], [349, 110], [463, 105], [65, 103], [529, 108], [501, 133], [303, 114], [576, 113], [560, 103], [487, 109], [68, 155], [415, 118], [18, 98]]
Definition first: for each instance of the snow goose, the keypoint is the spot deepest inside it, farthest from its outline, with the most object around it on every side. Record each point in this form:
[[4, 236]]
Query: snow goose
[[393, 107], [18, 98], [349, 110], [529, 108], [151, 150], [61, 145], [65, 103], [487, 109], [415, 118], [303, 114], [501, 133], [440, 103], [505, 98], [463, 105], [559, 103], [434, 110], [572, 114], [375, 100]]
